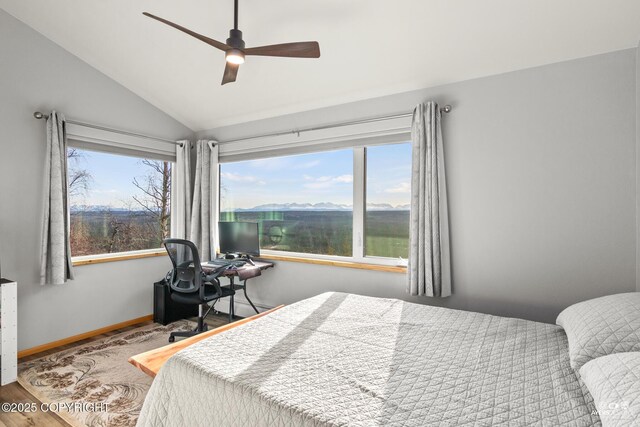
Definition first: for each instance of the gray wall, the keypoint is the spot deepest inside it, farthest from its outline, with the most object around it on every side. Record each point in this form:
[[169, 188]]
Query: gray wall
[[638, 168], [36, 74], [542, 179]]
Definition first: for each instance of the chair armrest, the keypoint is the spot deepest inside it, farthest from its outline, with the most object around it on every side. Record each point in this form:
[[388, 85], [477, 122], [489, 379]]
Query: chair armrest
[[208, 278], [213, 280]]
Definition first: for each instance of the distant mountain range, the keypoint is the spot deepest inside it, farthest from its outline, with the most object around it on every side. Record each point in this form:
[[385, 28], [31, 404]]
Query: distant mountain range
[[387, 207], [96, 208], [322, 206]]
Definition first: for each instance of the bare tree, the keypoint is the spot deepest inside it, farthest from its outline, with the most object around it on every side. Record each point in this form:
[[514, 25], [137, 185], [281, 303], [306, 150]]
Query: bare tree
[[156, 193], [79, 179], [79, 182]]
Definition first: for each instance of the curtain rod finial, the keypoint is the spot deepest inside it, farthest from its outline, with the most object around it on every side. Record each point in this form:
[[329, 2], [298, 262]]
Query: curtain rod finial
[[446, 109], [38, 115]]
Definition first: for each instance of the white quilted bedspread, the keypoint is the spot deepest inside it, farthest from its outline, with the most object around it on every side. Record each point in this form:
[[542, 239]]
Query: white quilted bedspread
[[340, 359]]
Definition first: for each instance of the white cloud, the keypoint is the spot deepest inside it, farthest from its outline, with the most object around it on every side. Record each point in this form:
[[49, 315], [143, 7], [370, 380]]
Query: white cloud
[[307, 165], [327, 181], [403, 187], [249, 179], [344, 178]]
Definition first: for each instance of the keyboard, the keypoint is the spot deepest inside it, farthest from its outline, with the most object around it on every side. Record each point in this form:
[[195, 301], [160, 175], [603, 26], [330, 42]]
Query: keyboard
[[221, 262]]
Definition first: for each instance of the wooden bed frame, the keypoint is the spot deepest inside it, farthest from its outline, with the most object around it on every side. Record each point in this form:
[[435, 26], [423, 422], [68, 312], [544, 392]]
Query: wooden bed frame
[[151, 361]]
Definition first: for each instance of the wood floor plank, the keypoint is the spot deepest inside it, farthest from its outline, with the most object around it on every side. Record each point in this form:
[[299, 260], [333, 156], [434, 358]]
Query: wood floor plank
[[15, 393]]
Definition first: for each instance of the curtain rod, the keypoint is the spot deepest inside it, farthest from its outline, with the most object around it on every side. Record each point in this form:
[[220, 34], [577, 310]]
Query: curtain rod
[[38, 115], [446, 109]]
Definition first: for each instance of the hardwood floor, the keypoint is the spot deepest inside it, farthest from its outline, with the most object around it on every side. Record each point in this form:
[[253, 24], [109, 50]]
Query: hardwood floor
[[15, 393]]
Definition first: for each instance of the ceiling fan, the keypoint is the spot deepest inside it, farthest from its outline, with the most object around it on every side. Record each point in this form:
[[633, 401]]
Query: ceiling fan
[[235, 50]]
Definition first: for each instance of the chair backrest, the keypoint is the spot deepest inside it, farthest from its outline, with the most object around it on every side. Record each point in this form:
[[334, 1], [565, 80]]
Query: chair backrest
[[186, 276]]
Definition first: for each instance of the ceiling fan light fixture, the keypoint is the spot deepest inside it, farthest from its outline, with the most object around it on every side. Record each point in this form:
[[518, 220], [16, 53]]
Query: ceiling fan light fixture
[[235, 56], [235, 49]]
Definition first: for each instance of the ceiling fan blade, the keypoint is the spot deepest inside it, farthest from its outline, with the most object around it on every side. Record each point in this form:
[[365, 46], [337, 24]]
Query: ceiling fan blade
[[207, 40], [290, 50], [230, 73]]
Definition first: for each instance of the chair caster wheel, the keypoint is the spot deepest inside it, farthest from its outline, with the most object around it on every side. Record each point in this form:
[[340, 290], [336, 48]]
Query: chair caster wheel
[[172, 339]]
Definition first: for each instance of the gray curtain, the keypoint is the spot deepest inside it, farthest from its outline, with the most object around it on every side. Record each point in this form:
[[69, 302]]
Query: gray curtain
[[429, 266], [204, 211], [181, 192], [55, 263]]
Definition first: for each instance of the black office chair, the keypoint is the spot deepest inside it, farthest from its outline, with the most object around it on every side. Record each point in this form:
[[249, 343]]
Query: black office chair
[[189, 284]]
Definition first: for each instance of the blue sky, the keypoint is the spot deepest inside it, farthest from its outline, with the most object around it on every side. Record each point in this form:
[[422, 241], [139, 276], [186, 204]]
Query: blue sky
[[317, 177], [389, 174], [307, 178], [112, 179]]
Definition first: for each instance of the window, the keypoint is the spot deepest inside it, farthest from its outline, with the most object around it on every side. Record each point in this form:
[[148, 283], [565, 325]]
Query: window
[[117, 203], [388, 200], [303, 203]]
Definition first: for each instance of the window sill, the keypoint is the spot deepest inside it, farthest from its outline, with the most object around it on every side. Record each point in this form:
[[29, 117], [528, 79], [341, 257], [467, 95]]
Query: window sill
[[121, 256], [335, 263]]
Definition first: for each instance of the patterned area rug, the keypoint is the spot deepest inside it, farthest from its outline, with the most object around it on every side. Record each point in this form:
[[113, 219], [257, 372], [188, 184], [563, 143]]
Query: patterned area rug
[[98, 376]]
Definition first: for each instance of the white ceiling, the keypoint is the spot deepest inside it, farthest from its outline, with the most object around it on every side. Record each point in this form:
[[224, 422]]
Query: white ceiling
[[369, 47]]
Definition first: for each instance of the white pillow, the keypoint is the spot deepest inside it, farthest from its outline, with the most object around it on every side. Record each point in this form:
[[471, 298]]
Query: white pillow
[[602, 326], [614, 383]]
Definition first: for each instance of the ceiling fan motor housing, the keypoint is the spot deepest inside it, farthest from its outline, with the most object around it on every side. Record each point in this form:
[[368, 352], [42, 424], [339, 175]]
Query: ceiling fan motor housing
[[234, 50], [235, 39]]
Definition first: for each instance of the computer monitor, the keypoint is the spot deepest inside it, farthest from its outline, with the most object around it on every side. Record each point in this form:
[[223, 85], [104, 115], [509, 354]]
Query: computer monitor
[[239, 238]]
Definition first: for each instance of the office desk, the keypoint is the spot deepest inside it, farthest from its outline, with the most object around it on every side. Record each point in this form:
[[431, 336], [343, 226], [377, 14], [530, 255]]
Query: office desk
[[243, 273]]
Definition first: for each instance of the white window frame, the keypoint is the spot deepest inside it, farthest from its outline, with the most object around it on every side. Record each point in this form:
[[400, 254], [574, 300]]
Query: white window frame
[[357, 137]]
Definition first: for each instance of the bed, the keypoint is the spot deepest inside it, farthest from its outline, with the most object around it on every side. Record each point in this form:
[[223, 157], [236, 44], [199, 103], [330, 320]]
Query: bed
[[340, 359]]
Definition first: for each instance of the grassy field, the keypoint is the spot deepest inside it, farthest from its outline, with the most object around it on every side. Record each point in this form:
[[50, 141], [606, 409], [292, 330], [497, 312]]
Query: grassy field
[[328, 232], [318, 232], [387, 234]]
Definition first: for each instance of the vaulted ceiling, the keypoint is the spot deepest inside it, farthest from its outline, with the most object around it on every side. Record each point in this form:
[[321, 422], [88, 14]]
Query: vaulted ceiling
[[369, 47]]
